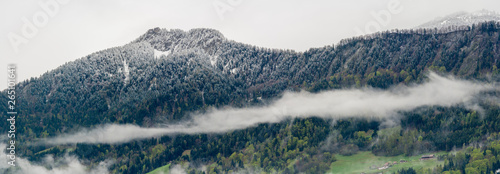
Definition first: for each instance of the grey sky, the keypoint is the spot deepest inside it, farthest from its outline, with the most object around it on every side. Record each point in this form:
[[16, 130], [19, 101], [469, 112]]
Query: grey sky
[[82, 27]]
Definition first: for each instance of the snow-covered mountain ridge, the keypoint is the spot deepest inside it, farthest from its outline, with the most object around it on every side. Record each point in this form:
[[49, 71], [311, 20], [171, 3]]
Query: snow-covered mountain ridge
[[176, 40]]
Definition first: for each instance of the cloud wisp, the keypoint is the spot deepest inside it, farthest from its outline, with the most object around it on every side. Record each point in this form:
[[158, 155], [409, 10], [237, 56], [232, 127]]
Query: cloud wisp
[[63, 165], [367, 103]]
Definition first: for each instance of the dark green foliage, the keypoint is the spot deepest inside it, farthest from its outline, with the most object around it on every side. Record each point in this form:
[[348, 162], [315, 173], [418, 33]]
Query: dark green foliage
[[407, 171], [476, 159]]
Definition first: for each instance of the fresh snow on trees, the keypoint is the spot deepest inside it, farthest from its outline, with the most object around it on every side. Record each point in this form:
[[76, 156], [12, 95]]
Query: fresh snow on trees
[[126, 72], [159, 54]]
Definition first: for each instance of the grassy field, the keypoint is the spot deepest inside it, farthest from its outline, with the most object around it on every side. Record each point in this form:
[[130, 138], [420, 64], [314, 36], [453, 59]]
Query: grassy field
[[362, 161], [162, 170]]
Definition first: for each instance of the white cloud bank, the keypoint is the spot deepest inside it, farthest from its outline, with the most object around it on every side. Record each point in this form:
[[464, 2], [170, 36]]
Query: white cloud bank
[[438, 91], [65, 165]]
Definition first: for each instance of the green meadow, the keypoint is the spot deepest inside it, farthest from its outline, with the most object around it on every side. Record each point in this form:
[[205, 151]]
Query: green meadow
[[162, 170], [362, 161]]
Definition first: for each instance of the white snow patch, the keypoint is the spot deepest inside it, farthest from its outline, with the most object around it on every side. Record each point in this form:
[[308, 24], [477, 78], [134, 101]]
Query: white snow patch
[[234, 70], [126, 72], [213, 60], [158, 53]]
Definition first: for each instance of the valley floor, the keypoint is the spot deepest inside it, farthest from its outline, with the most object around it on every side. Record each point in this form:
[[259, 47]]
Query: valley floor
[[367, 162]]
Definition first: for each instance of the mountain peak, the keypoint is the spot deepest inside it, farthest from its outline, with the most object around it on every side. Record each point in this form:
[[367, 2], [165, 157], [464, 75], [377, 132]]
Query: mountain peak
[[205, 32], [177, 40]]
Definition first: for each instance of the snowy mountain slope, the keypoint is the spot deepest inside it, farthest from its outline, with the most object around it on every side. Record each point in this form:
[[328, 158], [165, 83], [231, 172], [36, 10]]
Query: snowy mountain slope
[[204, 69]]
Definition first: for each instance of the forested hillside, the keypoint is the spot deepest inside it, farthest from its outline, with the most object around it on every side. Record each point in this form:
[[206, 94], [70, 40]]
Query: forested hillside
[[130, 84]]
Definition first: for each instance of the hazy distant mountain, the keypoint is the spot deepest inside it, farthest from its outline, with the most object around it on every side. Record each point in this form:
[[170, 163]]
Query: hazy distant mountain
[[461, 19]]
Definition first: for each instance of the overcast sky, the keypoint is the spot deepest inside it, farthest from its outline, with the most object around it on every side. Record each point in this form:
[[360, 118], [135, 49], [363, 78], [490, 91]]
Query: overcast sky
[[80, 27]]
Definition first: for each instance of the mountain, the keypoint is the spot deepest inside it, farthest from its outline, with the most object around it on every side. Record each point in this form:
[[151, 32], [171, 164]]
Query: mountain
[[176, 40], [462, 19], [200, 69]]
